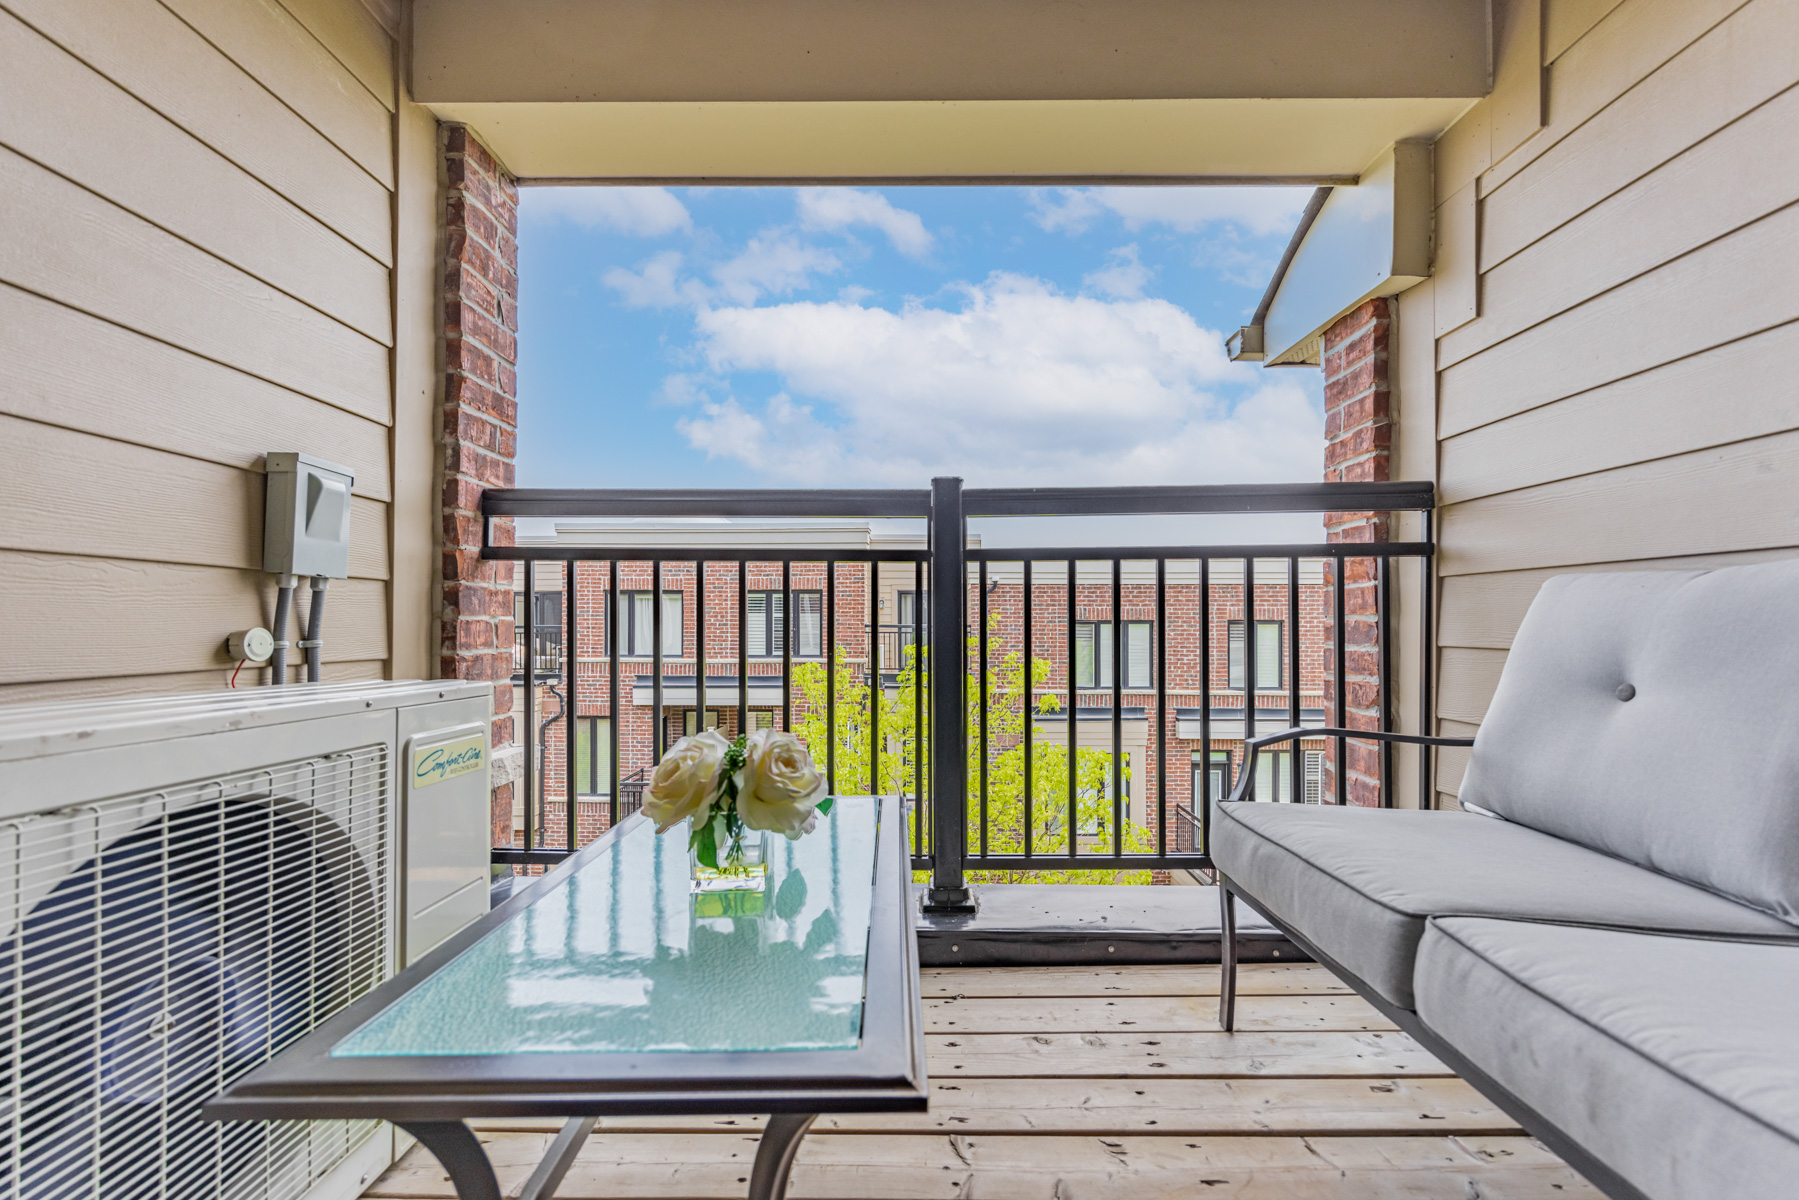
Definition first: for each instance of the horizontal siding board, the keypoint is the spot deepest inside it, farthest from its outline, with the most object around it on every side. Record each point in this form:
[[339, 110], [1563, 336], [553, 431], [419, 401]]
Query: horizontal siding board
[[1469, 678], [1725, 182], [1742, 63], [1452, 761], [1732, 393], [1737, 497], [106, 687], [1735, 286], [154, 55], [74, 493], [94, 618], [278, 51], [1567, 21], [66, 243], [1484, 611], [354, 37], [67, 368], [1630, 45], [61, 113]]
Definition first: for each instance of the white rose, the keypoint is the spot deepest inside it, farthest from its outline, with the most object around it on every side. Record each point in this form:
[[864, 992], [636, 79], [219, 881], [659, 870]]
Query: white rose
[[686, 780], [778, 787]]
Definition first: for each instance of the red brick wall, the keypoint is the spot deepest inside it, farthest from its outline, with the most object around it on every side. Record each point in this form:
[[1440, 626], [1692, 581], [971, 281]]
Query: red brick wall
[[480, 423], [1358, 442]]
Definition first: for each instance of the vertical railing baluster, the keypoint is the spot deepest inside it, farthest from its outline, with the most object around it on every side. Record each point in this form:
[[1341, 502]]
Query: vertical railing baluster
[[1072, 709], [874, 692], [1118, 666], [571, 786], [1158, 631], [1340, 566], [1029, 703], [918, 677], [1384, 601], [699, 645], [981, 617], [658, 739], [610, 630], [1205, 705], [830, 620], [1427, 602], [529, 733], [947, 541], [787, 627], [1294, 754], [743, 646], [1251, 669]]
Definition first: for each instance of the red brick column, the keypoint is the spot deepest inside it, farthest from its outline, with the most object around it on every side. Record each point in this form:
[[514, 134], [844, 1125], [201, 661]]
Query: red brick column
[[1358, 443], [479, 432]]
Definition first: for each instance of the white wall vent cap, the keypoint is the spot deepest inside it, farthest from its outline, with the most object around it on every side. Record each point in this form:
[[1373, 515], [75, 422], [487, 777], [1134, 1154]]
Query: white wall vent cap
[[306, 527]]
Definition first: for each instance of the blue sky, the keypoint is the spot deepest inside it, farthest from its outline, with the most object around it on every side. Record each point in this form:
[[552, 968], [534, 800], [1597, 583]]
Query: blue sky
[[742, 337]]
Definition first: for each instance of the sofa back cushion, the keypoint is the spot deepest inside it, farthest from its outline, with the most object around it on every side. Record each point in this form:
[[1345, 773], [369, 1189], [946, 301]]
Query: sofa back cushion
[[1654, 716]]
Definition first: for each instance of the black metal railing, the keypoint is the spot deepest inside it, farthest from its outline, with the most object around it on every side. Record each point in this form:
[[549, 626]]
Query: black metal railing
[[1062, 647]]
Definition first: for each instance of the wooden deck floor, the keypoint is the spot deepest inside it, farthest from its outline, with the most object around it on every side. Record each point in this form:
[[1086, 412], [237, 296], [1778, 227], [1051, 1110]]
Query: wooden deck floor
[[1073, 1083]]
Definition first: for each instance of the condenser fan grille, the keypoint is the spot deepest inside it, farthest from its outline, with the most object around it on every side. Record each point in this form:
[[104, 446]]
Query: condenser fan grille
[[155, 947]]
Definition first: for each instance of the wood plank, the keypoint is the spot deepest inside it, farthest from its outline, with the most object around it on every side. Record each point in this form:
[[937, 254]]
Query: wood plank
[[280, 53], [1254, 979], [1747, 389], [1745, 61], [1452, 761], [353, 35], [1725, 182], [1189, 1107], [1484, 611], [56, 110], [108, 687], [154, 55], [96, 618], [1728, 289], [1567, 21], [1466, 682], [1146, 1014], [75, 493], [70, 245], [1736, 497], [1167, 1055], [67, 368], [1033, 1168], [1616, 55]]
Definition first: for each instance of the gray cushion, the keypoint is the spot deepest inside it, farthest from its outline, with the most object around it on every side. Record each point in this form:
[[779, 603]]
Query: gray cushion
[[1674, 1061], [1697, 774], [1360, 882]]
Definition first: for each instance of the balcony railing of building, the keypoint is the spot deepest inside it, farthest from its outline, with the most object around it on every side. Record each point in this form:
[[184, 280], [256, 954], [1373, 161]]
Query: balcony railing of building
[[1205, 646]]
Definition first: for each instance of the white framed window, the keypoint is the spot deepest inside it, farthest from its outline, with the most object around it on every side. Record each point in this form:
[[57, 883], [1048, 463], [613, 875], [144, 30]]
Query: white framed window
[[1270, 654], [637, 625]]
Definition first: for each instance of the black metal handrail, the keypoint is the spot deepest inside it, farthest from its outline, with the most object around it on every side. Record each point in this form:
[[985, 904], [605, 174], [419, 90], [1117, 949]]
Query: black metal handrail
[[953, 584]]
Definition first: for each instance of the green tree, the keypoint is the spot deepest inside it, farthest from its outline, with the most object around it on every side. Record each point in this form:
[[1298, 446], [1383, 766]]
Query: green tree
[[902, 756]]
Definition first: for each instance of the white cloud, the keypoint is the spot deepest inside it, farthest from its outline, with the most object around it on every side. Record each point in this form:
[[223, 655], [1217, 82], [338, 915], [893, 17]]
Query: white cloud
[[655, 284], [1260, 210], [644, 211], [1123, 276], [837, 208], [772, 262], [1020, 385]]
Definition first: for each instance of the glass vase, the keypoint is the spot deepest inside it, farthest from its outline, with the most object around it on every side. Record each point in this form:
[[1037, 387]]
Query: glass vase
[[742, 865]]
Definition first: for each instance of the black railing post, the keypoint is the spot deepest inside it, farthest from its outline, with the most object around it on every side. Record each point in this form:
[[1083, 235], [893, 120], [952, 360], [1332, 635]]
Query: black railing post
[[948, 545]]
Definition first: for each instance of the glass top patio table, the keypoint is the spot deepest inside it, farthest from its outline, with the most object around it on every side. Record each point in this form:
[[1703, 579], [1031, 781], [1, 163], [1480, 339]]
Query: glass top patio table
[[619, 957]]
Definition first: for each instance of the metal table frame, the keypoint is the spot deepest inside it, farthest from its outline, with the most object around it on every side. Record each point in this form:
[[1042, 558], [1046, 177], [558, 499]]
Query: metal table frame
[[431, 1096]]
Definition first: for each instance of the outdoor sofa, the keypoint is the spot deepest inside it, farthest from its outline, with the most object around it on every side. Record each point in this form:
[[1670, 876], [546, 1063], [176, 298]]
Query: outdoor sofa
[[1606, 941]]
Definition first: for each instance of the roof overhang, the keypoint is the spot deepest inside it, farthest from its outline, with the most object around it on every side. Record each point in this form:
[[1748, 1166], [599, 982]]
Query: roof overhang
[[1005, 90]]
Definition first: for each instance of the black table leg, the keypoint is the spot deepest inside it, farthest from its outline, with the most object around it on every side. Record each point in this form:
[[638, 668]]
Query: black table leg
[[774, 1157], [459, 1152]]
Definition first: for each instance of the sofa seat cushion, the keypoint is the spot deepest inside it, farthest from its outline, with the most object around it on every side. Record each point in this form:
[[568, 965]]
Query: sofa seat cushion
[[1673, 1060], [1359, 883]]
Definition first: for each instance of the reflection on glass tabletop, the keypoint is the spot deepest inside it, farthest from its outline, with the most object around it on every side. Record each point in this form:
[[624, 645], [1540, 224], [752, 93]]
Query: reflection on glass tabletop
[[621, 957]]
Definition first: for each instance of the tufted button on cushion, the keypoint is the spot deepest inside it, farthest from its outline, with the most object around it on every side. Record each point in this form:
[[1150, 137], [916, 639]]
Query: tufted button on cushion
[[1626, 692]]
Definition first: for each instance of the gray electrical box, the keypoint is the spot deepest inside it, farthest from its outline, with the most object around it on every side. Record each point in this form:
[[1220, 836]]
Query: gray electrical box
[[306, 527]]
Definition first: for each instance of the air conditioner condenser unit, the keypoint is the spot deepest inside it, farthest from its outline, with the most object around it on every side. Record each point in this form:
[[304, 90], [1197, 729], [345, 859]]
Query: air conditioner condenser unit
[[190, 883]]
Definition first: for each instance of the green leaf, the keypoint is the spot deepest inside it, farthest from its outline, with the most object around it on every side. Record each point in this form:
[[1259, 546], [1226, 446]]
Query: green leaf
[[705, 846], [824, 806]]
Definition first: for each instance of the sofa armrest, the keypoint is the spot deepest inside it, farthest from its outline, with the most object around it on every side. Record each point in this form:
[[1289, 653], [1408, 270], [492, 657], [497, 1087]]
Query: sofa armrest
[[1246, 783]]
